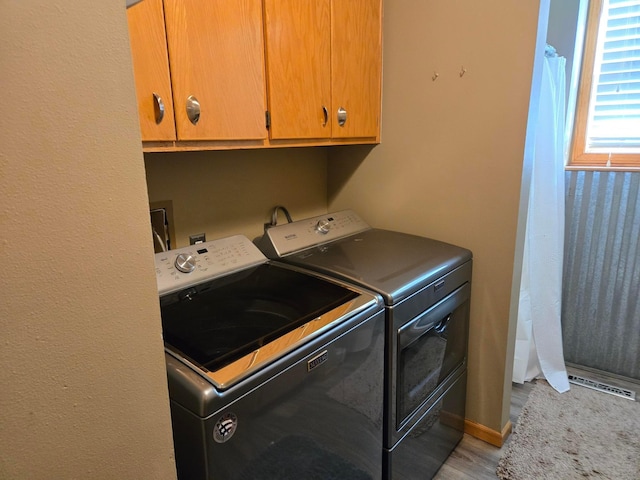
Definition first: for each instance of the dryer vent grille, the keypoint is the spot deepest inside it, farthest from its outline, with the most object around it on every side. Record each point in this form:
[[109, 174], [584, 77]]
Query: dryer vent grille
[[602, 387]]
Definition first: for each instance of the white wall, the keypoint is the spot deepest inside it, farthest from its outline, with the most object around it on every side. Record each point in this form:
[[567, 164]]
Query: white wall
[[82, 366]]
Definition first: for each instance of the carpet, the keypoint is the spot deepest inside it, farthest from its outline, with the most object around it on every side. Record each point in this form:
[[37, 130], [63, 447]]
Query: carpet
[[579, 434]]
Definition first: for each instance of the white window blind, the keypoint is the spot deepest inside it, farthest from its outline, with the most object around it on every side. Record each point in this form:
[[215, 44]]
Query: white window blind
[[613, 124]]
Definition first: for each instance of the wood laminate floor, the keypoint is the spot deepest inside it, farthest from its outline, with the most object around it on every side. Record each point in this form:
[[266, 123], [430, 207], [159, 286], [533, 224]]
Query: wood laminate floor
[[474, 459]]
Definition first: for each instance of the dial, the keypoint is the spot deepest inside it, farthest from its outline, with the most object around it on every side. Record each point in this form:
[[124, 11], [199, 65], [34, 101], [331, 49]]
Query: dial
[[185, 263], [323, 226]]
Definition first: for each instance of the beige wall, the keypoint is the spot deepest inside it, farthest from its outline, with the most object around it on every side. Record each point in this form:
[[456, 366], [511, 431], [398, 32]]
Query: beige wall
[[233, 192], [79, 302], [449, 166], [82, 368], [450, 162]]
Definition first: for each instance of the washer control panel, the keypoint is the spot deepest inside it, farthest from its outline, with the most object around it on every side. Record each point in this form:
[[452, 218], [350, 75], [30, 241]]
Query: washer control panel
[[184, 267], [291, 237]]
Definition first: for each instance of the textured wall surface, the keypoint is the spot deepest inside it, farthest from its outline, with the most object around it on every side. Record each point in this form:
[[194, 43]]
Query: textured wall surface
[[233, 192], [83, 383], [601, 288], [450, 164]]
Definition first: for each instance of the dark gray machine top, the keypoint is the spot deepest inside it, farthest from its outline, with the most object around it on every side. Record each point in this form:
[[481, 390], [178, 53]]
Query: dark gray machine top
[[230, 317], [393, 264]]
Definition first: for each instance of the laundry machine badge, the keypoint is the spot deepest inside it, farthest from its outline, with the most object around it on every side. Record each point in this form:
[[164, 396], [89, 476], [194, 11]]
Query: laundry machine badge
[[225, 427]]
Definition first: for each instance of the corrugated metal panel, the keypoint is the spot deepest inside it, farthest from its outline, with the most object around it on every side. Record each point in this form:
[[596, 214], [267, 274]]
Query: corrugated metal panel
[[601, 286]]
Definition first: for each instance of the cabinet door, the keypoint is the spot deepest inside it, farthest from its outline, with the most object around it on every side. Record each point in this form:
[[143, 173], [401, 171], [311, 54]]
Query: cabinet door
[[356, 67], [216, 53], [151, 70], [299, 68]]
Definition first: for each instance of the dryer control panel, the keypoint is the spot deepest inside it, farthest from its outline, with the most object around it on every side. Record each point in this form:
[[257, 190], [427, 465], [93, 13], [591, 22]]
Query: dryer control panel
[[188, 266], [292, 237]]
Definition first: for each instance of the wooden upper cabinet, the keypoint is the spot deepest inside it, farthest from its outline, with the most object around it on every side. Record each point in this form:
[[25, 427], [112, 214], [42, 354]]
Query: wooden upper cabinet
[[151, 70], [216, 53], [298, 48], [215, 67], [356, 67], [324, 67]]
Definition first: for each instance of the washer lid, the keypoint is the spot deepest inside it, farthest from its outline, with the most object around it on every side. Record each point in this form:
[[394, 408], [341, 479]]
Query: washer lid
[[391, 263], [229, 327]]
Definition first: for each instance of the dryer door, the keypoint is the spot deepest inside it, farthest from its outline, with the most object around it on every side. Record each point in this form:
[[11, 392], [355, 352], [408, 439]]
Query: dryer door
[[430, 347]]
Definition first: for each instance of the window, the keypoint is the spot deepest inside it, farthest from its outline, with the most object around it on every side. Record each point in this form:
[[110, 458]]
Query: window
[[607, 122]]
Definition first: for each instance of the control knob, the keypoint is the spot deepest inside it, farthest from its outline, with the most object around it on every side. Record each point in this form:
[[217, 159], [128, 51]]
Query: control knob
[[323, 226], [185, 263]]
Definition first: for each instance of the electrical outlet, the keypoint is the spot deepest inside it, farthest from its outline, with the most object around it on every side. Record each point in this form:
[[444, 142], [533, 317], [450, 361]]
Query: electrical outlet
[[197, 238]]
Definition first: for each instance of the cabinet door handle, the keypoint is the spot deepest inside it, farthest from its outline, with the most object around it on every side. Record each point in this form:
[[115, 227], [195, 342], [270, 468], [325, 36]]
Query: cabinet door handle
[[158, 108], [342, 116], [325, 112], [193, 109]]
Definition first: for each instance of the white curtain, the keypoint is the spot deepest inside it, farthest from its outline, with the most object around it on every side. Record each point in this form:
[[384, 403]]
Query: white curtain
[[538, 350]]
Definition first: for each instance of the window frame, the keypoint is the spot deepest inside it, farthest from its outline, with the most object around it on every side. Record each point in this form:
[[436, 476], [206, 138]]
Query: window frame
[[578, 158]]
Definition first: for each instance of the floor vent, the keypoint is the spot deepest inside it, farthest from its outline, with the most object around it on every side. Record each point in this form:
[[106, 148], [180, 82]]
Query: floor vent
[[602, 387]]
